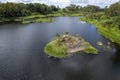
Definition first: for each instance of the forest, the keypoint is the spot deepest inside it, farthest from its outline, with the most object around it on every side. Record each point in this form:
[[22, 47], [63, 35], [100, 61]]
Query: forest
[[13, 10]]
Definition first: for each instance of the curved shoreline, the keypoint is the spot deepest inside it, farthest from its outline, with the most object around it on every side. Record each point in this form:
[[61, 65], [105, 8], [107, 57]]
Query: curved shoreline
[[111, 33]]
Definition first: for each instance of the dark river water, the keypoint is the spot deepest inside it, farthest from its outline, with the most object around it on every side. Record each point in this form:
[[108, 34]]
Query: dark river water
[[22, 54]]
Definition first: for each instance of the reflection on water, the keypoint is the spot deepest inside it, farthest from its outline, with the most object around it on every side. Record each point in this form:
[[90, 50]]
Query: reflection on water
[[116, 57], [22, 54]]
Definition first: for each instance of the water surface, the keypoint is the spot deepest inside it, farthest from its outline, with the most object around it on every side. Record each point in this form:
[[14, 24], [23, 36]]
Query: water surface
[[22, 54]]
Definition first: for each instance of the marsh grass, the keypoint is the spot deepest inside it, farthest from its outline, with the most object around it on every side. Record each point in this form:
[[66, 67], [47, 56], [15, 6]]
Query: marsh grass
[[109, 31], [43, 20], [25, 22], [37, 20], [33, 16], [90, 49], [55, 48]]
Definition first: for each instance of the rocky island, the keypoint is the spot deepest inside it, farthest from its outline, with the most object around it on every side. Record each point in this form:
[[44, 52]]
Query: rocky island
[[65, 44]]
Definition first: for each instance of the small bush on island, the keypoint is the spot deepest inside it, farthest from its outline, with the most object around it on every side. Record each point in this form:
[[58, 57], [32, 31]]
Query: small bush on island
[[64, 45]]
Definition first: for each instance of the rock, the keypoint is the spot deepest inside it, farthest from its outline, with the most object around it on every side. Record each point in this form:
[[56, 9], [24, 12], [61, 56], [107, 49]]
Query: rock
[[107, 46], [100, 43], [108, 43]]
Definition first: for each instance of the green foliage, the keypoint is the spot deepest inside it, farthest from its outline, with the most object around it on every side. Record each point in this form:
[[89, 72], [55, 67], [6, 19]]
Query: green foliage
[[37, 20], [43, 20], [54, 15], [92, 8], [32, 17], [89, 48], [34, 10], [25, 22], [13, 10], [56, 48], [72, 9], [107, 28], [114, 10]]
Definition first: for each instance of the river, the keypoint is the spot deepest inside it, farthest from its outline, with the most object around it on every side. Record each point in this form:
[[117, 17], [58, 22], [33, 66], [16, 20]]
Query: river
[[22, 54]]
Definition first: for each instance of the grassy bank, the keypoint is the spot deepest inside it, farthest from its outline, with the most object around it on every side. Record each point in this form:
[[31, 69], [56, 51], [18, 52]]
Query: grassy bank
[[37, 20], [32, 17], [28, 19], [90, 49], [108, 31]]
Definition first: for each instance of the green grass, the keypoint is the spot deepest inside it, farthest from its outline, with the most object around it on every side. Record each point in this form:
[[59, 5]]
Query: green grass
[[33, 16], [43, 20], [25, 22], [54, 15], [55, 48], [64, 14], [37, 20], [90, 49], [75, 14], [109, 32]]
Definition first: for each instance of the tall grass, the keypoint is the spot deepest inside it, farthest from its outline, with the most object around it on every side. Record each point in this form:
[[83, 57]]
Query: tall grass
[[89, 48], [55, 48], [109, 31]]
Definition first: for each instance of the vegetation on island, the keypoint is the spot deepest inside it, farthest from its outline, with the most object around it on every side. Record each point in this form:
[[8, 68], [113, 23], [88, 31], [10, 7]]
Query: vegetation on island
[[66, 44], [55, 48]]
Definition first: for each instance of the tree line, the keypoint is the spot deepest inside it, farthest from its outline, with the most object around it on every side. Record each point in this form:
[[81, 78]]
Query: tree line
[[13, 10], [72, 8], [109, 17]]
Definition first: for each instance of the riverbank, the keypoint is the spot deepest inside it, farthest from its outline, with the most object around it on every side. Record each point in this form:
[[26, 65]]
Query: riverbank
[[109, 32], [28, 19], [36, 18], [65, 45]]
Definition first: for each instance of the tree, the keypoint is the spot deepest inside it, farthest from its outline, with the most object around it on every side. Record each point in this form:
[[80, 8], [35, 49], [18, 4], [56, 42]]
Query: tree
[[72, 8], [91, 8], [114, 10]]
